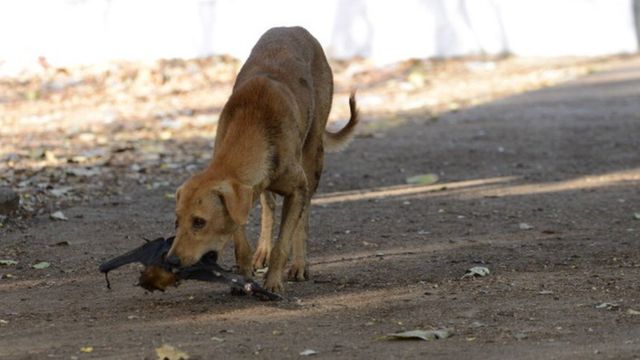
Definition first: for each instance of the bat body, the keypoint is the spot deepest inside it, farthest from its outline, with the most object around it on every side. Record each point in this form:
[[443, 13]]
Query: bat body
[[159, 274]]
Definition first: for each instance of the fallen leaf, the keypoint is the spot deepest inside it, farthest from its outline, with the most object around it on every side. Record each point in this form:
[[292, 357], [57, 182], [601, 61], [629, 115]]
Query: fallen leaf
[[425, 179], [633, 312], [545, 292], [41, 265], [86, 349], [7, 262], [525, 226], [4, 322], [477, 271], [58, 215], [49, 156], [608, 306], [308, 352], [421, 335], [218, 339], [168, 352], [636, 216], [477, 324], [83, 172], [520, 336], [60, 191]]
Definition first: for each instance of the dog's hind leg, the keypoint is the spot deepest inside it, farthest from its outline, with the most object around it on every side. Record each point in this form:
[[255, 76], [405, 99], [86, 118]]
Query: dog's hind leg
[[263, 250], [313, 163], [299, 270]]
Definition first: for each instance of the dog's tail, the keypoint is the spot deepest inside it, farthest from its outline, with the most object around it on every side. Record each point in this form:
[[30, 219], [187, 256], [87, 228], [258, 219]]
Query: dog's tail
[[334, 142]]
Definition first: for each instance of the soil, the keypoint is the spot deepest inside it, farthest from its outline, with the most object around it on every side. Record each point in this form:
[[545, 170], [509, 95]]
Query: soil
[[541, 188]]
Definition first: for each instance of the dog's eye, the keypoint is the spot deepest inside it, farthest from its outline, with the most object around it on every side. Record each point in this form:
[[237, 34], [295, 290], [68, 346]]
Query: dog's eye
[[198, 223]]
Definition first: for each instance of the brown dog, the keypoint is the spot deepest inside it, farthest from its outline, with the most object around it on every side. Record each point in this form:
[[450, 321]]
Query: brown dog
[[271, 139]]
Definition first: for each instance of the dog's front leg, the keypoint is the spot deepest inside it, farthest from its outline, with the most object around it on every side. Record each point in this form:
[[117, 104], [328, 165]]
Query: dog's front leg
[[292, 211], [243, 252], [261, 256]]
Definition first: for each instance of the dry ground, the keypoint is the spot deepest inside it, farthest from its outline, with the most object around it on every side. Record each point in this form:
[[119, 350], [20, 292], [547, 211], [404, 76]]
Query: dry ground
[[541, 187]]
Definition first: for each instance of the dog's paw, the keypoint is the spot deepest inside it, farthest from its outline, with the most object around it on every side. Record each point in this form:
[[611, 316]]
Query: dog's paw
[[298, 272], [260, 258], [273, 283], [246, 271]]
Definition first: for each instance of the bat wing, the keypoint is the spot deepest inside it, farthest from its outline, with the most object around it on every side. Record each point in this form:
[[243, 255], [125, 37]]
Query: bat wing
[[151, 253], [211, 272]]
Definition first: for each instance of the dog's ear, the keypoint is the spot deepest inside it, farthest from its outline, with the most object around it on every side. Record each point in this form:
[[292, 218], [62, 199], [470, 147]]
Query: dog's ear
[[178, 193], [237, 198]]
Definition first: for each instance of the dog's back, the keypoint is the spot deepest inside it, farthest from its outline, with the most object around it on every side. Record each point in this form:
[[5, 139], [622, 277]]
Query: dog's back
[[292, 56]]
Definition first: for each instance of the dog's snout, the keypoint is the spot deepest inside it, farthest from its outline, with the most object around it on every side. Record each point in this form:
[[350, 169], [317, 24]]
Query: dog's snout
[[173, 260]]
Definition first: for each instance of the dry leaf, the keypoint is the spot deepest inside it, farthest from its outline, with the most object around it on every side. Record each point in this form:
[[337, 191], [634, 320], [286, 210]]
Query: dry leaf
[[168, 352], [308, 352], [7, 262], [424, 179], [421, 335], [86, 349], [608, 306], [477, 271], [41, 265], [525, 226], [60, 191], [58, 215]]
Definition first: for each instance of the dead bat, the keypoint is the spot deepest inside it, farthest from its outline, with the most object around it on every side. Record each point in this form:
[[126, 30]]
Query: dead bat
[[159, 274], [151, 255], [155, 277]]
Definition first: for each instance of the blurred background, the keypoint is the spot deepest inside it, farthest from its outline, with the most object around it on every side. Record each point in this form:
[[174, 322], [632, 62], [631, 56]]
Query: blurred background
[[88, 31], [497, 138], [97, 94]]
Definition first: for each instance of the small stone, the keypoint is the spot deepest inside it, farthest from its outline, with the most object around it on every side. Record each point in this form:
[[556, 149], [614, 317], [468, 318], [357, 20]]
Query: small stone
[[9, 201]]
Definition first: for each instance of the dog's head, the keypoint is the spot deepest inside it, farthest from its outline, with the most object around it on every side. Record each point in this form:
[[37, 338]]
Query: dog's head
[[208, 211]]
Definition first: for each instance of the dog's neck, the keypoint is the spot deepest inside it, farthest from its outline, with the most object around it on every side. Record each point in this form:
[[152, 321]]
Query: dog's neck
[[242, 149], [242, 152]]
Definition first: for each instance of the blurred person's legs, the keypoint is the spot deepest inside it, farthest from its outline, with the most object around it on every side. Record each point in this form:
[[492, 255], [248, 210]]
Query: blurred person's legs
[[636, 16]]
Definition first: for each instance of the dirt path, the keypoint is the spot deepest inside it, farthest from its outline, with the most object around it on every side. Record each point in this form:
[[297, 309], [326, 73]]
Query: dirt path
[[386, 256]]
